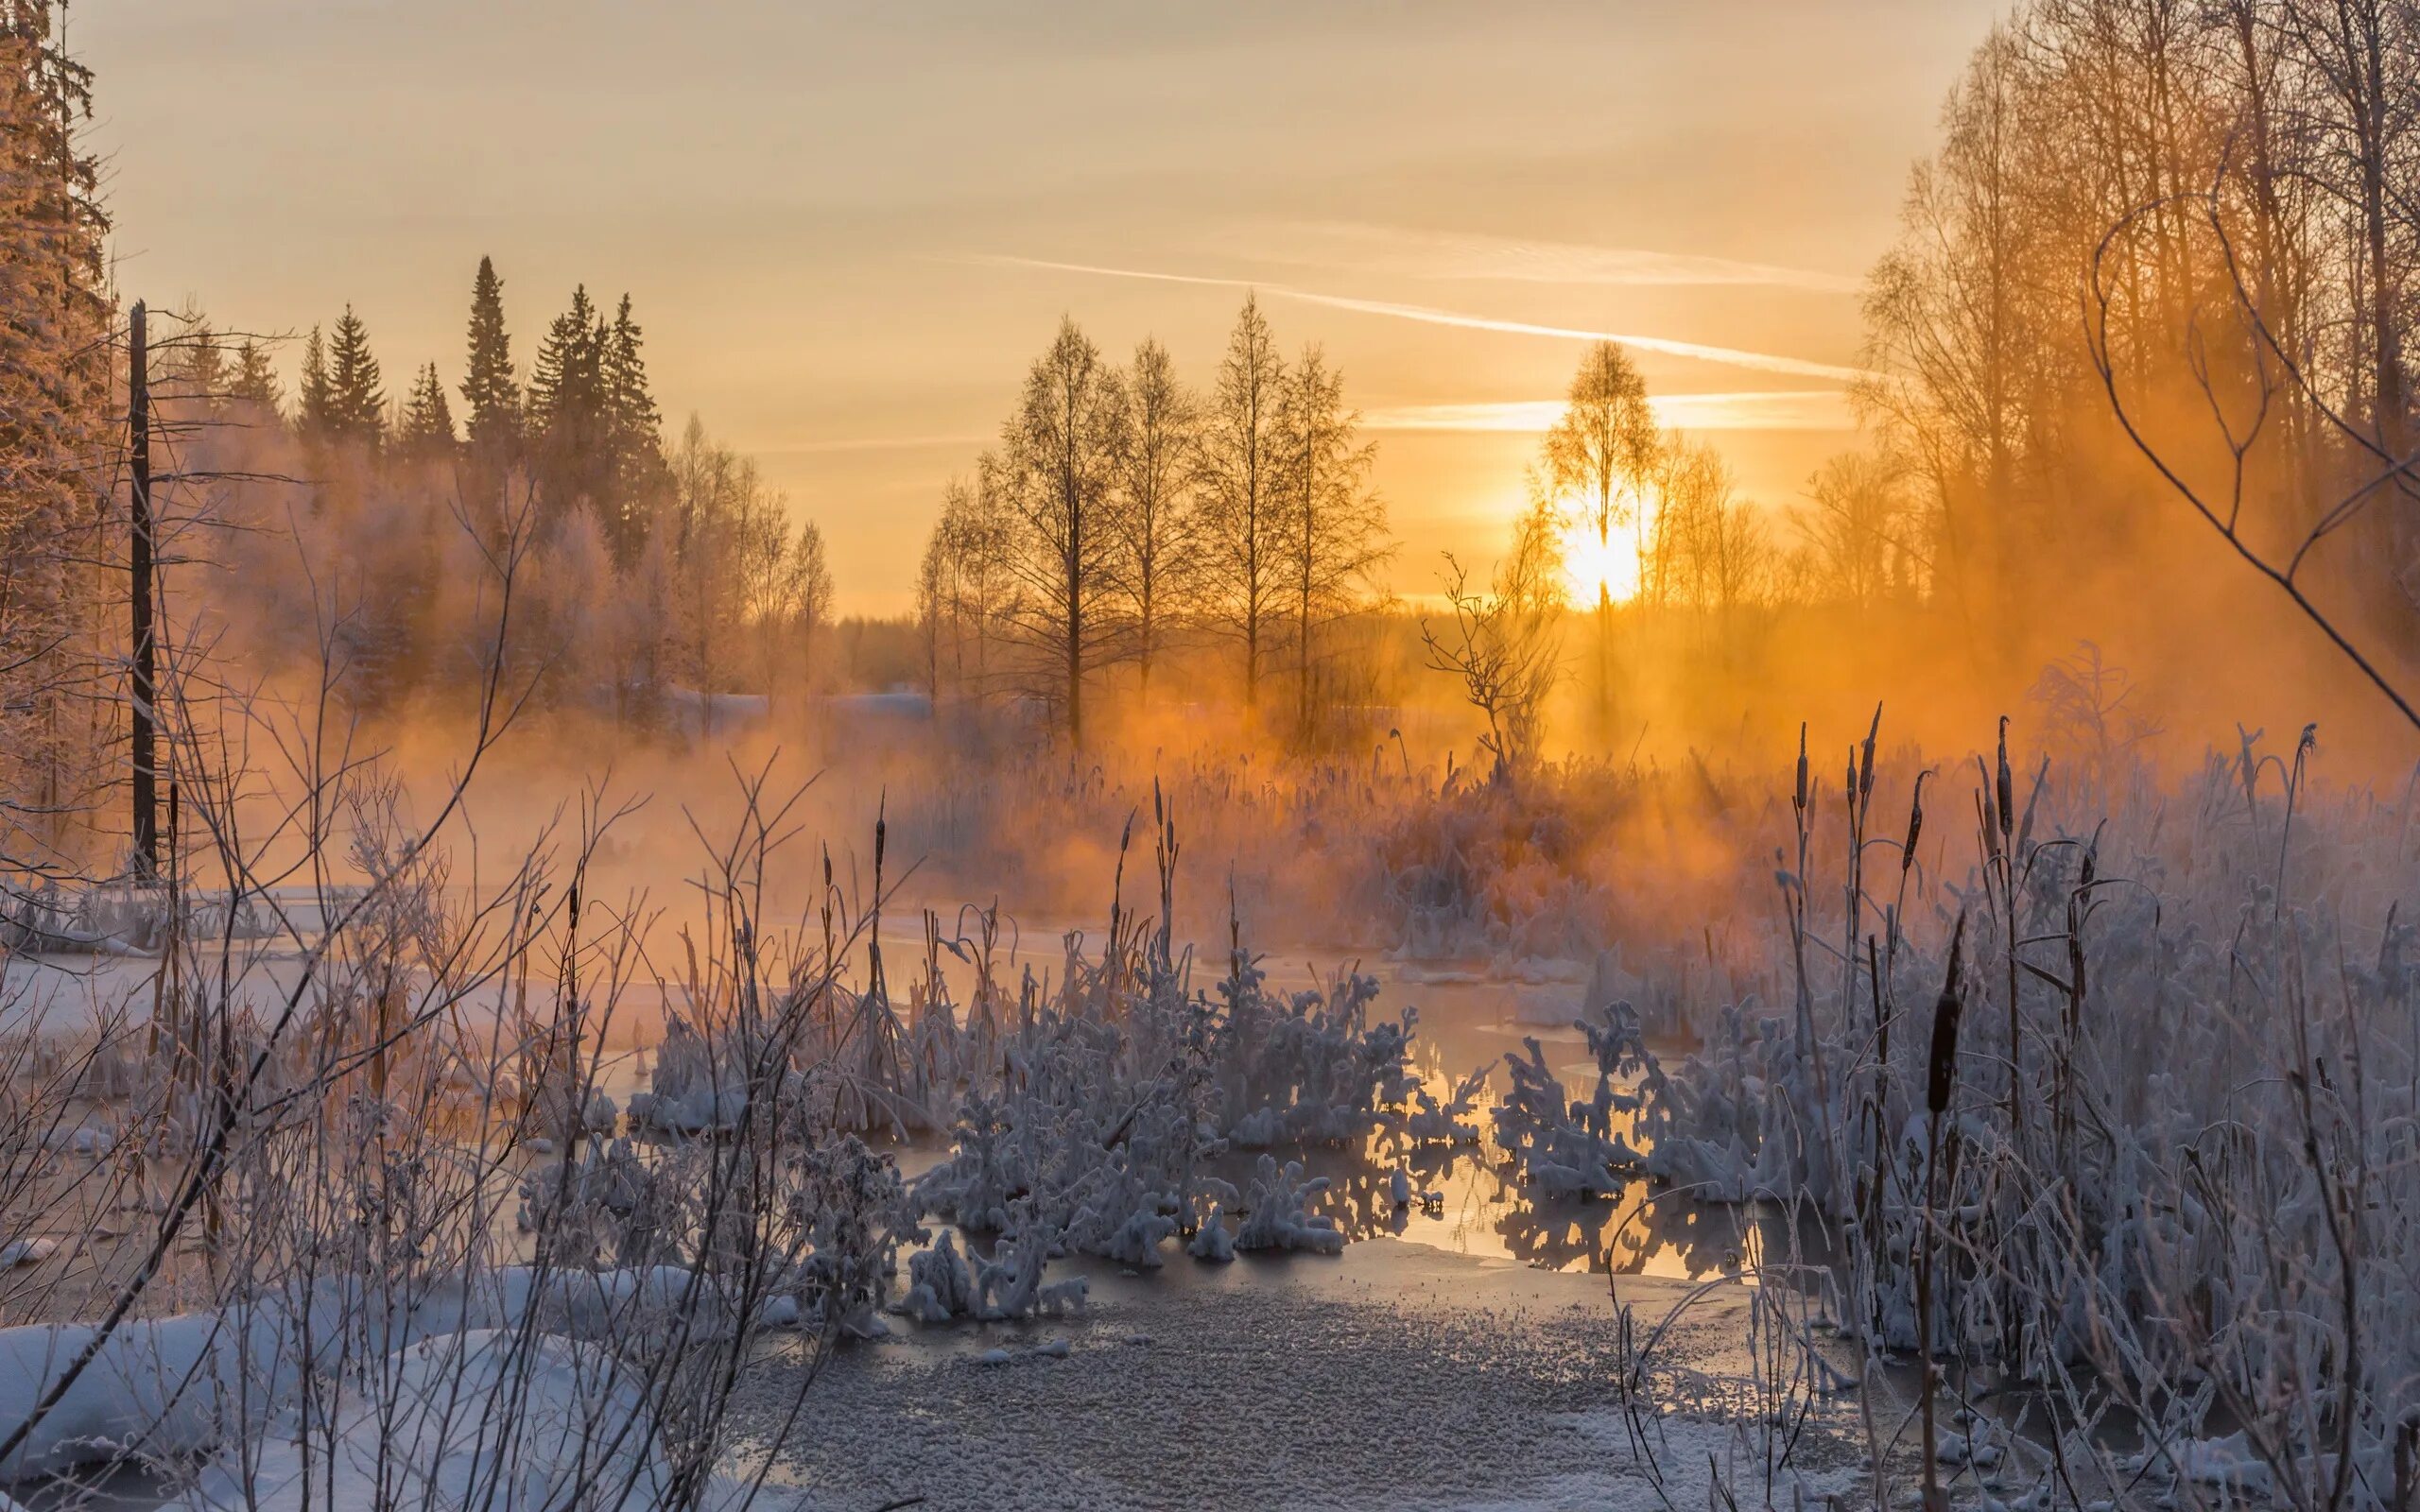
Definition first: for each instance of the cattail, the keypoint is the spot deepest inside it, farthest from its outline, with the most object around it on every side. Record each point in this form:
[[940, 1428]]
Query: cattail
[[2007, 784], [1915, 825], [1865, 779], [1944, 1077], [1800, 800]]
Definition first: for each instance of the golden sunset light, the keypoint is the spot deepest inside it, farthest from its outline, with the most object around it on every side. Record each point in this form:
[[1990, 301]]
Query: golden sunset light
[[818, 756]]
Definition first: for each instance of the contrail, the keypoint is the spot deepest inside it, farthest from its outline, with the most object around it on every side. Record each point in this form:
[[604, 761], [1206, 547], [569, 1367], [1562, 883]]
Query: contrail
[[1733, 356], [1465, 256], [868, 443], [1791, 409]]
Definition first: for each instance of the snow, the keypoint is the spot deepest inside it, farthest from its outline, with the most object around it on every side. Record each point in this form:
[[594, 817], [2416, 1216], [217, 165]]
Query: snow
[[191, 1384], [491, 1417]]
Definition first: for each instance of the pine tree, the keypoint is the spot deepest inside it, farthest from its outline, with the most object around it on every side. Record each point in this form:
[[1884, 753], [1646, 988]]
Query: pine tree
[[313, 417], [357, 404], [426, 434], [567, 406], [633, 435], [254, 380], [492, 426]]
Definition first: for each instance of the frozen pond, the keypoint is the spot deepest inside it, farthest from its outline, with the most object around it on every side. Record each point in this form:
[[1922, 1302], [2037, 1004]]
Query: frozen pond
[[1389, 1377], [1465, 1021]]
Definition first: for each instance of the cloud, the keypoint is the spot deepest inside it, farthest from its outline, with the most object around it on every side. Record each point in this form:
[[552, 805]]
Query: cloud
[[1464, 256], [1696, 350], [1792, 410]]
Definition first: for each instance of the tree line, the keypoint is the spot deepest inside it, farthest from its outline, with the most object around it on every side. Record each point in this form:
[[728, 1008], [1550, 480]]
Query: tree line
[[2182, 229], [663, 579], [1124, 512]]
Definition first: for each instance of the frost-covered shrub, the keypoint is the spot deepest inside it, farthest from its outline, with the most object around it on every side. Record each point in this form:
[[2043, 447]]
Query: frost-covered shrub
[[1011, 1284], [1451, 1122], [1211, 1243], [1109, 1098], [1309, 1068], [1573, 1147], [1278, 1213], [940, 1285]]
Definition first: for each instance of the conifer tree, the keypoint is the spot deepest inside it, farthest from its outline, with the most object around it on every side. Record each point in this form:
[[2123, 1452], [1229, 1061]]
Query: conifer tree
[[566, 413], [427, 430], [356, 404], [493, 423], [255, 378], [633, 441], [196, 368], [314, 416]]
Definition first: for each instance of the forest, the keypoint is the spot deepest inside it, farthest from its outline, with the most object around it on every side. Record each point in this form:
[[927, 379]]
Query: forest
[[521, 985]]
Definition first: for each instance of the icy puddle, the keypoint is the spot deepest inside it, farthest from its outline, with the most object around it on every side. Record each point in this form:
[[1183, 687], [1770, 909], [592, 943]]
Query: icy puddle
[[1395, 1375]]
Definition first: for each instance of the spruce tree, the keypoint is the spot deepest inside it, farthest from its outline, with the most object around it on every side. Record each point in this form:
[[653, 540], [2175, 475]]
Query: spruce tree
[[314, 418], [356, 404], [567, 406], [254, 379], [197, 366], [427, 431], [633, 434], [493, 424]]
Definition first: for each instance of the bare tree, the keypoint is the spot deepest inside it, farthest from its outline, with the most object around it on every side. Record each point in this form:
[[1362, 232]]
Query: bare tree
[[1950, 340], [963, 583], [1334, 525], [1598, 456], [1858, 527], [1159, 439], [788, 583], [1059, 468], [1242, 515], [2242, 368], [1712, 553], [2363, 58], [1505, 645]]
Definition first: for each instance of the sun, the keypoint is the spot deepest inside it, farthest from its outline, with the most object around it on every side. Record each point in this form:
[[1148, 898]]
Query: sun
[[1588, 564]]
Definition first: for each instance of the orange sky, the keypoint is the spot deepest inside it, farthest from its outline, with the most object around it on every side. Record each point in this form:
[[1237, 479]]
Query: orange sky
[[848, 227]]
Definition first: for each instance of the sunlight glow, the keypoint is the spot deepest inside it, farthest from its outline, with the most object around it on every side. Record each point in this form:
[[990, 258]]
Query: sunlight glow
[[1588, 563]]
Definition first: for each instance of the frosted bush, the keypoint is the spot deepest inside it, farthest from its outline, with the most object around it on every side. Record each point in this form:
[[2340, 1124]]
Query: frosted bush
[[1278, 1213], [1108, 1098], [940, 1285], [1572, 1148]]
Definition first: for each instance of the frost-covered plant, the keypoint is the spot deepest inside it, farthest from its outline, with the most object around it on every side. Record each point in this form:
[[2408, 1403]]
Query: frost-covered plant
[[1011, 1284], [2160, 1161], [1277, 1212], [1309, 1068], [1104, 1100], [940, 1285], [1575, 1148], [1451, 1122]]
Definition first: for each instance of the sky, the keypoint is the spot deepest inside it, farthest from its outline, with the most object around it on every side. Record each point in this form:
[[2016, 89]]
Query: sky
[[848, 229]]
